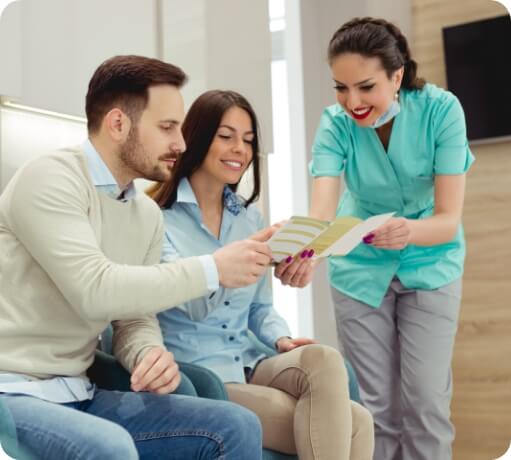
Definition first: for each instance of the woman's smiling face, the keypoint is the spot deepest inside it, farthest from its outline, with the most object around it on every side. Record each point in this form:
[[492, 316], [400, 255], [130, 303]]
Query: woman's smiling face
[[363, 87], [231, 151]]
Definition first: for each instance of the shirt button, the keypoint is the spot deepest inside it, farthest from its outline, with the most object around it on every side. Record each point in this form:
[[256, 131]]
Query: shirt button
[[224, 326], [236, 358], [227, 302], [231, 338]]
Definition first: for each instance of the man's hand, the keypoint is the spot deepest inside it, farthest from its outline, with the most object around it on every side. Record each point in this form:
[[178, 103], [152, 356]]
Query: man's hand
[[394, 234], [297, 272], [286, 344], [241, 263], [266, 233], [156, 372]]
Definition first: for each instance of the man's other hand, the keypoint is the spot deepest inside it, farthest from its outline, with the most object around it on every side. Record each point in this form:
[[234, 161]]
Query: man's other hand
[[156, 372]]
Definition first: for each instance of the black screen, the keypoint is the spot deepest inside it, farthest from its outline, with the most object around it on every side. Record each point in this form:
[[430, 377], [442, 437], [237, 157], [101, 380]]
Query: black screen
[[478, 65]]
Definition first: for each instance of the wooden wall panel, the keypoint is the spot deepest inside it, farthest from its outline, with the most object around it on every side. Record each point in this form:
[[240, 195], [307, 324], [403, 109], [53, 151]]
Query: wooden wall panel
[[481, 409]]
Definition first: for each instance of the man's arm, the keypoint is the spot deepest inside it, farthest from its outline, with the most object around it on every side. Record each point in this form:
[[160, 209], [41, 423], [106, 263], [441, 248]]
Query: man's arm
[[47, 209], [132, 339]]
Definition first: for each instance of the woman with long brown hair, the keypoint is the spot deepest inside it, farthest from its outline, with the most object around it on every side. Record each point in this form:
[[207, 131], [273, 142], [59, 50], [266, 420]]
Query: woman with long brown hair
[[301, 394]]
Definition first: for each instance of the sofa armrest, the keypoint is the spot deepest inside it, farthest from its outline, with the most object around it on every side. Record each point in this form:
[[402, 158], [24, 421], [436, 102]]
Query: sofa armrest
[[206, 382], [108, 374]]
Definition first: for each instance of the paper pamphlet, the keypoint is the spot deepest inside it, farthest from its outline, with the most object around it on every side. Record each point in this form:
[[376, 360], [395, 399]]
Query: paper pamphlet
[[336, 238]]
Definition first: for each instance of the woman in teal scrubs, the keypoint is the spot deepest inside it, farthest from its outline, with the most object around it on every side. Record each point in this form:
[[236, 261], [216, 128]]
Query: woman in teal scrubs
[[401, 144]]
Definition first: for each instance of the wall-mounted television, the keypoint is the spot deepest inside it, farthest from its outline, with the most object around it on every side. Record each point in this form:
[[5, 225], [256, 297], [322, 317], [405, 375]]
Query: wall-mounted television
[[478, 66]]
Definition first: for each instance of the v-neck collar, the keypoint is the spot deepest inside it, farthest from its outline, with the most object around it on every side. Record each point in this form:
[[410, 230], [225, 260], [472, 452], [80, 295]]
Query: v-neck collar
[[389, 151]]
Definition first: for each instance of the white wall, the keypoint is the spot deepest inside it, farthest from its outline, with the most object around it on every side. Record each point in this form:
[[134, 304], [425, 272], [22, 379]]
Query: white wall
[[53, 46], [46, 134], [223, 44], [10, 51]]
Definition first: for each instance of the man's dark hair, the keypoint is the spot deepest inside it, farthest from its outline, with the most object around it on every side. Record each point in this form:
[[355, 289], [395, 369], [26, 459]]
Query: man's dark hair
[[123, 81]]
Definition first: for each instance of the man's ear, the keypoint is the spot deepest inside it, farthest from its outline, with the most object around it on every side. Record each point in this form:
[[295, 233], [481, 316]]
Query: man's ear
[[117, 124]]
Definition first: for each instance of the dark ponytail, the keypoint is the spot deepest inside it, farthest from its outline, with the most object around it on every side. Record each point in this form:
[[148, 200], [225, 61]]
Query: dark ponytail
[[372, 37]]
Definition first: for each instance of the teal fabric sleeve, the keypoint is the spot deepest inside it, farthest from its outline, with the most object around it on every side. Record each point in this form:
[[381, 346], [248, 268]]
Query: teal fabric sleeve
[[329, 147], [452, 154]]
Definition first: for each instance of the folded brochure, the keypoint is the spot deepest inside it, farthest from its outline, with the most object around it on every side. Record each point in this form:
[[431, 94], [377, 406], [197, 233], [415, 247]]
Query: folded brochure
[[336, 238]]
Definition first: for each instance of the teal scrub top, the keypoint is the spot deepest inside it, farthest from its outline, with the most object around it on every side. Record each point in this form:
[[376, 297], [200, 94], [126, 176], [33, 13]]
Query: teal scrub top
[[428, 138]]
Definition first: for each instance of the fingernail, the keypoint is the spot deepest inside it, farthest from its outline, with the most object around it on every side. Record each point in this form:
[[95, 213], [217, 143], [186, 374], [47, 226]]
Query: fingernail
[[368, 238], [289, 259], [304, 254], [311, 253]]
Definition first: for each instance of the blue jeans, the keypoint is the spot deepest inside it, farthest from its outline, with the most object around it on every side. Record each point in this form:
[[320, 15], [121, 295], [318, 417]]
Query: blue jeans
[[125, 426]]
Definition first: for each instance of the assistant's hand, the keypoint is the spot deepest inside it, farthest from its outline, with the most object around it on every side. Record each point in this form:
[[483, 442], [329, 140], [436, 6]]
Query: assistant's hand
[[156, 372], [286, 344], [394, 234], [298, 271]]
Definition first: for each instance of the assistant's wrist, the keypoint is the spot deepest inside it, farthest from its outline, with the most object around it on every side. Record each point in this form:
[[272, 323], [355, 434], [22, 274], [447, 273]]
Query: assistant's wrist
[[413, 226]]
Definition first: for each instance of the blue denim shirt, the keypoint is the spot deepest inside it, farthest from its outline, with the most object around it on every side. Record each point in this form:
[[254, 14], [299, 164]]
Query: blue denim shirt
[[212, 331]]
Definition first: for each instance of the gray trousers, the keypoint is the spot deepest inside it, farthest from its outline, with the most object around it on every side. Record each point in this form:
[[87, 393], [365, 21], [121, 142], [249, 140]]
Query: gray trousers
[[402, 355]]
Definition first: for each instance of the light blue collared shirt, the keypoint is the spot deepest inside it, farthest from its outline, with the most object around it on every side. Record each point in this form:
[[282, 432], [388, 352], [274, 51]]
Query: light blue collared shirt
[[71, 389], [212, 331], [102, 178]]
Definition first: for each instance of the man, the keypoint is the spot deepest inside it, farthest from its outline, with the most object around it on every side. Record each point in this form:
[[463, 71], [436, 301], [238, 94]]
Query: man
[[80, 248]]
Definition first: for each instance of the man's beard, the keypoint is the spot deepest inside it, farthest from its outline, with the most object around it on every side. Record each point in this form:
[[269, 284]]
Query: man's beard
[[134, 157]]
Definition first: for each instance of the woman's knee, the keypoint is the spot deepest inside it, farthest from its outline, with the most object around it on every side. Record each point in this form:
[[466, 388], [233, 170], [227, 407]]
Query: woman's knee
[[323, 360]]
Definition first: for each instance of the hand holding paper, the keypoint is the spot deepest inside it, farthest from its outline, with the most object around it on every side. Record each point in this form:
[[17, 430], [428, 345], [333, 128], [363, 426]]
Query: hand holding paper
[[393, 234], [326, 238]]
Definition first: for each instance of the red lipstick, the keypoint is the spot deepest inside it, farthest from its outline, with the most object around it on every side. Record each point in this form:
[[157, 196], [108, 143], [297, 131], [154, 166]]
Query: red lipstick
[[361, 116]]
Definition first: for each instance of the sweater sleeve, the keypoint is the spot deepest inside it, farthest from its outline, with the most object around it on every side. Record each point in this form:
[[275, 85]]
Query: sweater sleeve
[[133, 338], [47, 209]]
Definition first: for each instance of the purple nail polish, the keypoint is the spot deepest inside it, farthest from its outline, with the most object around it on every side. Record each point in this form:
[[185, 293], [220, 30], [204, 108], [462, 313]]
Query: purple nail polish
[[311, 253], [289, 259], [368, 239], [304, 254]]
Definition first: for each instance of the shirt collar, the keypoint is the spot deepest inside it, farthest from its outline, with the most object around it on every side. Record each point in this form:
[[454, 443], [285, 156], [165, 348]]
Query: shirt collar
[[101, 176], [185, 194]]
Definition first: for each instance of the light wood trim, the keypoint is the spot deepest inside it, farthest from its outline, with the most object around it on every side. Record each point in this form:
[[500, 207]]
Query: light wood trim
[[481, 409]]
